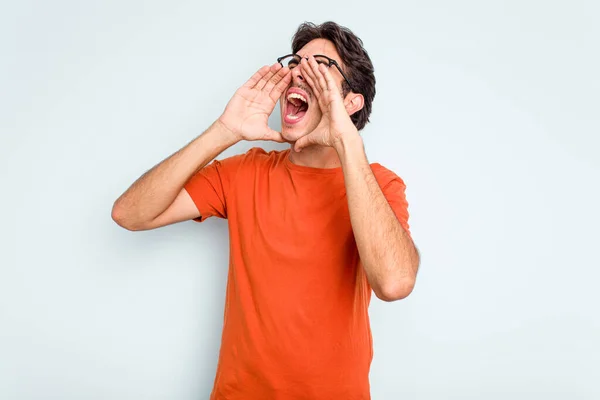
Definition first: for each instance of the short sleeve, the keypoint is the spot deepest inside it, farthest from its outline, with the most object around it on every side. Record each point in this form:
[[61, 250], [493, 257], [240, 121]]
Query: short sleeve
[[210, 187], [394, 190], [395, 193]]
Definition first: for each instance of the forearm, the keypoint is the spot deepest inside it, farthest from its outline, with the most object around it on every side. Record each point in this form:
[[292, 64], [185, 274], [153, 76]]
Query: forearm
[[152, 193], [386, 250]]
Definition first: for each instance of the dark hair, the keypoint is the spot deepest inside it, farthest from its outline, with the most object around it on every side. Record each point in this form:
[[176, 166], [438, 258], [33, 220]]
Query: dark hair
[[355, 59]]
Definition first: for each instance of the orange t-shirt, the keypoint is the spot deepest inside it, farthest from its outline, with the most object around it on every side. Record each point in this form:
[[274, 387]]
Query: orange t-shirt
[[296, 323]]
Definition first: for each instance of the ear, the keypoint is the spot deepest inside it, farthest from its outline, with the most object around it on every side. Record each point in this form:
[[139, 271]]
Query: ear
[[354, 102]]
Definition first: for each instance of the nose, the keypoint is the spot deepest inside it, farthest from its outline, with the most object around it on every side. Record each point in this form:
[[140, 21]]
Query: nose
[[297, 75]]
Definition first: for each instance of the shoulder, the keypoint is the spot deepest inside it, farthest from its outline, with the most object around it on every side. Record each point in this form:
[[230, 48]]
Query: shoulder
[[394, 190], [251, 162], [385, 176]]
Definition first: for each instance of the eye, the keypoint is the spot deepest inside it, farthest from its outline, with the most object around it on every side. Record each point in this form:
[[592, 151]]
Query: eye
[[323, 61], [292, 64]]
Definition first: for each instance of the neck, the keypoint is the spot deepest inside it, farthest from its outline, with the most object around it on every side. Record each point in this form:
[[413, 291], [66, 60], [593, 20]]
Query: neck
[[315, 157]]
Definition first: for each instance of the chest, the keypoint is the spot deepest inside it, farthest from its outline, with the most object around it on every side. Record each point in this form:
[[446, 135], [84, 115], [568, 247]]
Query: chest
[[297, 214]]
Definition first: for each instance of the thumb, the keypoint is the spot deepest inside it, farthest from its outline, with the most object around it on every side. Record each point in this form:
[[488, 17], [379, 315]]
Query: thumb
[[303, 142], [274, 136]]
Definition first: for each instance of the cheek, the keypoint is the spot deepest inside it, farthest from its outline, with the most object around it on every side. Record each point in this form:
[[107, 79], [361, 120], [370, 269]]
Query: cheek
[[316, 112]]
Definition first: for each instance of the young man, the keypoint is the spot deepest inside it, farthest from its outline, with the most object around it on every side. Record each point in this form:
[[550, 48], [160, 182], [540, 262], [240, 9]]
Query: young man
[[313, 229]]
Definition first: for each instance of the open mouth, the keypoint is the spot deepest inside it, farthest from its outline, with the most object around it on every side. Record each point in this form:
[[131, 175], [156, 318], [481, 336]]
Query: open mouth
[[296, 107]]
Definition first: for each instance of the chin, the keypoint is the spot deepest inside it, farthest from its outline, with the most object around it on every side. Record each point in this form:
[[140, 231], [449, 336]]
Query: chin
[[295, 132], [291, 134]]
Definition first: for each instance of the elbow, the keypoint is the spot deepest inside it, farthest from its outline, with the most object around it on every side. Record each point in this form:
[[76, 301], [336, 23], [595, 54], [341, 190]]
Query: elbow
[[119, 215], [394, 290]]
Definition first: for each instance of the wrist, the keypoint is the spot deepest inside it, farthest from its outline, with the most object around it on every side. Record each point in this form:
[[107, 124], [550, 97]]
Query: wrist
[[226, 132], [348, 142]]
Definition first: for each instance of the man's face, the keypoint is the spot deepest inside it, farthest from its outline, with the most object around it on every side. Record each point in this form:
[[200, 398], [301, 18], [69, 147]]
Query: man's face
[[297, 117]]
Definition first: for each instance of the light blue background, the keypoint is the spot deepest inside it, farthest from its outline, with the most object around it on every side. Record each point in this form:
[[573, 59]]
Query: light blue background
[[488, 110]]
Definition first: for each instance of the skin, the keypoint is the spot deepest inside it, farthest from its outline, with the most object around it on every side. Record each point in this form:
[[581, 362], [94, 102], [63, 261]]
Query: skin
[[316, 156], [387, 252], [325, 138]]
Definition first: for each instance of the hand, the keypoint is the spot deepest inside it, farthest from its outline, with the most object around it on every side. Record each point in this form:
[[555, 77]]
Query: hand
[[335, 122], [247, 113]]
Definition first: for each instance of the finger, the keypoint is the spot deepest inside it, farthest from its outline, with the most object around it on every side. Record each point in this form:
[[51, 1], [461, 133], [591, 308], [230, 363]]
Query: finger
[[263, 81], [300, 144], [276, 78], [281, 86], [330, 82], [257, 77], [315, 90], [274, 136], [303, 142], [310, 78], [315, 66]]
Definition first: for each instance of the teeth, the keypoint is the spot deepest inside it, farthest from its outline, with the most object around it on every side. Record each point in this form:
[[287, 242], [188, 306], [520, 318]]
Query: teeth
[[293, 116], [297, 96]]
